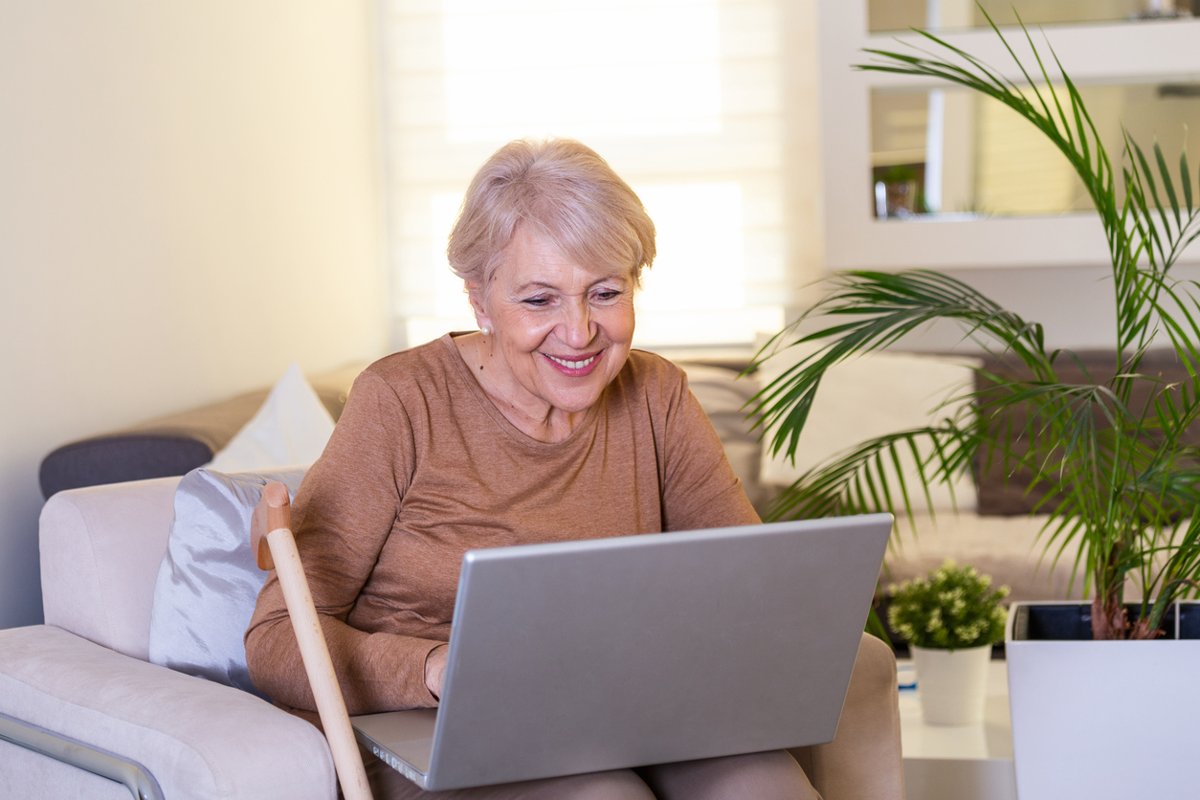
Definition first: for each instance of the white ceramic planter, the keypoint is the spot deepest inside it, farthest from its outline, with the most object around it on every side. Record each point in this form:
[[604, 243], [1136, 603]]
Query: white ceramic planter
[[1103, 719], [952, 684]]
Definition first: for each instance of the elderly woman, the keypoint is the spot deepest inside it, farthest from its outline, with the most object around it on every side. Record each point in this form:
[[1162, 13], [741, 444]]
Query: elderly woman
[[542, 425]]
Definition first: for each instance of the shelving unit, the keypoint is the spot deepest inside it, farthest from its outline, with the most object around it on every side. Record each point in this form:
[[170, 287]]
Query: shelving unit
[[1160, 51]]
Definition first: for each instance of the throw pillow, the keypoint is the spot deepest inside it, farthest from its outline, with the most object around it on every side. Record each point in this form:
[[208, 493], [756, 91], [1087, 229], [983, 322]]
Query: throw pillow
[[208, 581], [872, 395], [291, 427]]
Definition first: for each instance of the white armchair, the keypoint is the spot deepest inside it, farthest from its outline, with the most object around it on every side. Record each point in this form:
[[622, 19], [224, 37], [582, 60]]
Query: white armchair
[[82, 712]]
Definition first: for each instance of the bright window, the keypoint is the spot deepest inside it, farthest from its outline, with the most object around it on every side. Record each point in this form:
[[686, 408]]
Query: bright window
[[684, 98]]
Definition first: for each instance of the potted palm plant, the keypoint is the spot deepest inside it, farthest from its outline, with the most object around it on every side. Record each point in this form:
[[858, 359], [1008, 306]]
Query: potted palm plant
[[1110, 455]]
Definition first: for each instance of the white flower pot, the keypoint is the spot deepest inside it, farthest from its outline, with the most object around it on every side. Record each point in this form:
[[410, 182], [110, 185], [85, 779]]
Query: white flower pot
[[952, 684], [1109, 719]]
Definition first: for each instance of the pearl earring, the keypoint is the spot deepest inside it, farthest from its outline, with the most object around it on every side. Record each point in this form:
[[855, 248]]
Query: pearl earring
[[485, 330]]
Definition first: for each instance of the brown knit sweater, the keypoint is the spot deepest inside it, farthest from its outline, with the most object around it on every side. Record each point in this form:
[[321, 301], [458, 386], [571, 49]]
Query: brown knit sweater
[[422, 467]]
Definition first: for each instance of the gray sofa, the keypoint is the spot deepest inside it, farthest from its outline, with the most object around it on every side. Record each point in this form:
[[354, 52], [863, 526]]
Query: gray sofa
[[996, 533], [172, 444], [179, 442]]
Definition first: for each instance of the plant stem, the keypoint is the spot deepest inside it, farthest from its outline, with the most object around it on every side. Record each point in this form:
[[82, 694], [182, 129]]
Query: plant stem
[[1109, 620]]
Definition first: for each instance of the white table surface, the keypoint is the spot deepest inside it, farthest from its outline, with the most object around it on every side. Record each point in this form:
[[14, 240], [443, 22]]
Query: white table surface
[[958, 762]]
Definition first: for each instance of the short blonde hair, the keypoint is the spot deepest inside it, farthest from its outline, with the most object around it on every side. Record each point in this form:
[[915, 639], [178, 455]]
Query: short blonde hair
[[567, 193]]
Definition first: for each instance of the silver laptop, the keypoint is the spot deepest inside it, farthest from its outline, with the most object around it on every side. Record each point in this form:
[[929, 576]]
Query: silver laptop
[[600, 654]]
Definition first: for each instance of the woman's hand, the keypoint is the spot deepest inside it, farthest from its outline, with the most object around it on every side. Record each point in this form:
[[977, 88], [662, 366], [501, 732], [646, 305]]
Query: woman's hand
[[435, 669]]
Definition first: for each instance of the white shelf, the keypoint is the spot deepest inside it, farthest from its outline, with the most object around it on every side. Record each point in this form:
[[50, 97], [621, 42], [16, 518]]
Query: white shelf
[[1111, 53]]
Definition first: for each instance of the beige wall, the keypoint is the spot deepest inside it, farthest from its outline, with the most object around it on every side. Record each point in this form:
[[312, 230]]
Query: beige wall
[[188, 203], [166, 168]]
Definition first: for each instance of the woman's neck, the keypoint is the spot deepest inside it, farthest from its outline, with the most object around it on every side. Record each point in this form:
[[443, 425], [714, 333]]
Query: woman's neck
[[534, 417]]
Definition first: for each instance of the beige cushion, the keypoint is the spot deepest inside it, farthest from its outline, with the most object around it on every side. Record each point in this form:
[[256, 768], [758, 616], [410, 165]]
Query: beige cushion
[[1006, 548], [871, 395], [290, 428]]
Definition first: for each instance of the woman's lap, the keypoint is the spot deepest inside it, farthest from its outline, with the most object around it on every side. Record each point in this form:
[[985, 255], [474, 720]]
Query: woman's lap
[[765, 776], [387, 784]]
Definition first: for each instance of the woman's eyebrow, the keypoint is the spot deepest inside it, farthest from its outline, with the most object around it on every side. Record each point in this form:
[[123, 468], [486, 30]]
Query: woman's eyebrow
[[536, 284]]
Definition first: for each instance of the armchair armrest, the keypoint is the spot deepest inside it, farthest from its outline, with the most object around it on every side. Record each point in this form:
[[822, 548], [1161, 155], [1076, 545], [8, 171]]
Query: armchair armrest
[[30, 739], [194, 737]]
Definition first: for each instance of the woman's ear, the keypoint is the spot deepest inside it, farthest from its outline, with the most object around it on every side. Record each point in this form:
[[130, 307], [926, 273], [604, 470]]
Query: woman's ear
[[475, 295]]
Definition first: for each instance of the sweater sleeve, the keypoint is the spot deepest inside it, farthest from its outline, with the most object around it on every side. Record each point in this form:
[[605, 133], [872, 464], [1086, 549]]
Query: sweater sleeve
[[344, 511], [700, 488]]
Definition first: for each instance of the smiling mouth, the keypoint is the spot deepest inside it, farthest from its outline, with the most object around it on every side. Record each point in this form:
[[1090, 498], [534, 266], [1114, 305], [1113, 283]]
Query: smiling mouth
[[581, 365]]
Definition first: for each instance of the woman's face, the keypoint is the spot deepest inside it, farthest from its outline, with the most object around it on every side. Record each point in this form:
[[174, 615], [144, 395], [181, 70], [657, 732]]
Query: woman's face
[[562, 329]]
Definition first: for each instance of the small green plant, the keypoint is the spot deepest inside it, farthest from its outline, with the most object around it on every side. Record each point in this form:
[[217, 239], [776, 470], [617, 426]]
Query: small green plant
[[952, 609]]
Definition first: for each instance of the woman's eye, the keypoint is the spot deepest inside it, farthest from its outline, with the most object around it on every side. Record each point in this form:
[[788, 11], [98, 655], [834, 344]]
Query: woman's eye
[[607, 295], [536, 302]]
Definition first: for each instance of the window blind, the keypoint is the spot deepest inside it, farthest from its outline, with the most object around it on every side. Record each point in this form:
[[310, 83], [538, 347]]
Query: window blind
[[684, 98]]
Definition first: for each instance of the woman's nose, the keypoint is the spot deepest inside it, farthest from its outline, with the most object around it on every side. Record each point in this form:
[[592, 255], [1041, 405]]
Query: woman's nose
[[577, 327]]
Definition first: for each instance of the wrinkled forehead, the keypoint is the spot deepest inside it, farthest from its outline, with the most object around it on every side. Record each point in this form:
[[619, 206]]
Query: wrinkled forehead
[[532, 259], [534, 249]]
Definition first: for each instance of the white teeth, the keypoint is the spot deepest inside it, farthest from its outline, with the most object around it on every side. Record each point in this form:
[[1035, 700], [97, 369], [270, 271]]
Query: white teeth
[[571, 364]]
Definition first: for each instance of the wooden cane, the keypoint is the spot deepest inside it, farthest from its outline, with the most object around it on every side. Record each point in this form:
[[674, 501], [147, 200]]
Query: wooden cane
[[275, 548]]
